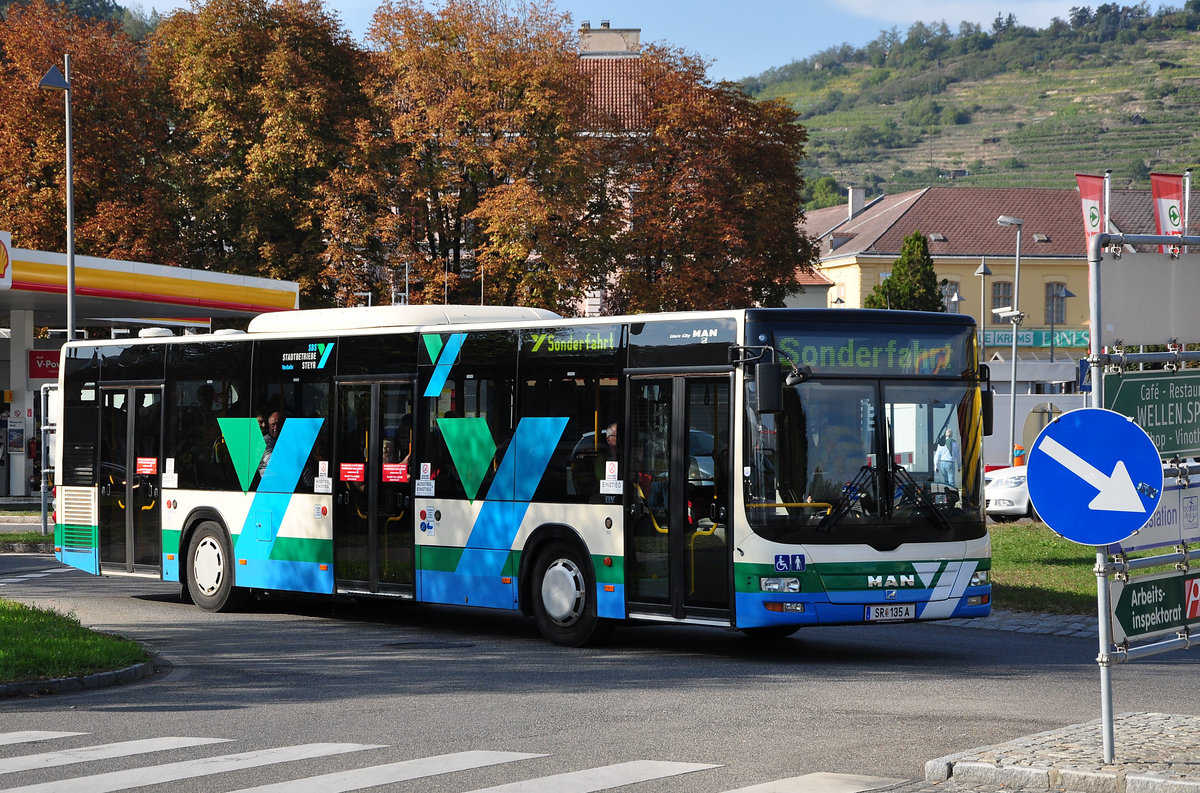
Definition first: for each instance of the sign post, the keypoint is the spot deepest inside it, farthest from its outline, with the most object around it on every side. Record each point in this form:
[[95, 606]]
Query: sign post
[[1095, 477]]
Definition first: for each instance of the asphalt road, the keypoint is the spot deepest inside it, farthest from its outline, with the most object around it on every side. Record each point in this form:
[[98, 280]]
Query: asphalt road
[[421, 681]]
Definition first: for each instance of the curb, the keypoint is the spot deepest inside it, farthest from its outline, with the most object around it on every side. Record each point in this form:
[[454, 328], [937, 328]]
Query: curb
[[68, 685], [26, 547]]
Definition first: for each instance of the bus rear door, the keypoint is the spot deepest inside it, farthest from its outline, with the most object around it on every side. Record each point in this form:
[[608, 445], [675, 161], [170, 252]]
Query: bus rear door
[[130, 526]]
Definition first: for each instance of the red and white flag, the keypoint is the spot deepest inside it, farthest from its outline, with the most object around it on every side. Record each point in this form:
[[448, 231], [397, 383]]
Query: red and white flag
[[1167, 190], [1091, 191]]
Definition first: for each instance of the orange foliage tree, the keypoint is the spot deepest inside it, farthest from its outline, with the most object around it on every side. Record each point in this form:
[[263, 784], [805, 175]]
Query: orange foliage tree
[[713, 180], [490, 194], [263, 98], [120, 205]]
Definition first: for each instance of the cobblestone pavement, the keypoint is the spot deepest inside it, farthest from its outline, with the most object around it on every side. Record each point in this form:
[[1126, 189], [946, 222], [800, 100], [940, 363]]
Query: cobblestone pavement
[[1153, 753], [1024, 622]]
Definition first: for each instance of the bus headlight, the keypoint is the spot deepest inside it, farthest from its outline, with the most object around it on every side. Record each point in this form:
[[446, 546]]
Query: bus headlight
[[779, 584], [980, 578]]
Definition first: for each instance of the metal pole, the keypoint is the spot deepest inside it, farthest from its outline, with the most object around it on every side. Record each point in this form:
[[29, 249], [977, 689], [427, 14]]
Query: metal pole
[[70, 209], [1103, 606], [1012, 378]]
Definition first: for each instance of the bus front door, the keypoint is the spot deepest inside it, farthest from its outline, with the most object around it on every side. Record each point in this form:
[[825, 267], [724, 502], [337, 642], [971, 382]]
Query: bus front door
[[373, 529], [678, 553], [130, 526]]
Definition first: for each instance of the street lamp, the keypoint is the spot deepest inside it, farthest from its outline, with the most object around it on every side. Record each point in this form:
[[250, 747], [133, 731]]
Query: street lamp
[[1014, 316], [61, 81], [983, 272], [1061, 293]]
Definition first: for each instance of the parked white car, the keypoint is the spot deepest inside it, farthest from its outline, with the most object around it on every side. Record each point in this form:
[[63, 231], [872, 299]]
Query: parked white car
[[1007, 495]]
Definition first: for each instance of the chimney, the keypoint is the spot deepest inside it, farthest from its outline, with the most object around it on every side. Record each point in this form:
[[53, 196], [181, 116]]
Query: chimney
[[609, 42], [858, 199]]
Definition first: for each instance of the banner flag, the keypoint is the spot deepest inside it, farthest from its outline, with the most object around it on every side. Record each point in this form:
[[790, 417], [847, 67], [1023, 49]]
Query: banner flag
[[1091, 191], [1167, 190]]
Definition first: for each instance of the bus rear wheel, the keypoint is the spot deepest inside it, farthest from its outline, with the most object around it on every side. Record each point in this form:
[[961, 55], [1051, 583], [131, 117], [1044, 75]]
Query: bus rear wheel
[[210, 570], [564, 597]]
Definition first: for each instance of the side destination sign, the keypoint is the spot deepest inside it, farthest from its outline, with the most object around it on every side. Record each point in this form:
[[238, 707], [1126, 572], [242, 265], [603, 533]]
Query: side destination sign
[[1164, 404], [1155, 605]]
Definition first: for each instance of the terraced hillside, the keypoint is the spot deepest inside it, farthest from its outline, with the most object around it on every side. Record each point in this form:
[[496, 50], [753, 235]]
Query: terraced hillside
[[1023, 112]]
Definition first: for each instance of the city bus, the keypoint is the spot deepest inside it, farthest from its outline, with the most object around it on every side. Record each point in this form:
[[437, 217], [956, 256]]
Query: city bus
[[758, 470]]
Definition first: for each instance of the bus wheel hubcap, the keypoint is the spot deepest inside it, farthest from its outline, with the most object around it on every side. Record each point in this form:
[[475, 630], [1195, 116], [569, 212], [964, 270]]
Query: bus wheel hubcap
[[563, 591], [208, 566]]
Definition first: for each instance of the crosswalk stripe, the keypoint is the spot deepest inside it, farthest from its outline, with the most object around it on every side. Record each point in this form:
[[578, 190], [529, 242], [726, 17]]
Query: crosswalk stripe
[[344, 781], [29, 736], [603, 778], [100, 752], [821, 783], [189, 769]]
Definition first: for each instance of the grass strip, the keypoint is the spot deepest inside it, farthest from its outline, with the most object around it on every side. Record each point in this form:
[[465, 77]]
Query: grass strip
[[26, 536], [42, 644], [1033, 569]]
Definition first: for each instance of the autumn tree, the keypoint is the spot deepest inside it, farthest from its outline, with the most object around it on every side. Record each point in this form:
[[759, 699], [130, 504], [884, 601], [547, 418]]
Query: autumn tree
[[120, 204], [264, 99], [713, 195], [494, 173], [913, 284]]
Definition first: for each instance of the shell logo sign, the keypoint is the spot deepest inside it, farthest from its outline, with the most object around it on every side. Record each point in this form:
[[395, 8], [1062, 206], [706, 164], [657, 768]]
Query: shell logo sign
[[5, 260]]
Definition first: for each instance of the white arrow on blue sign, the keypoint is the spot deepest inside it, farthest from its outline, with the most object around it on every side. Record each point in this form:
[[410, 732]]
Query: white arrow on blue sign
[[1094, 476]]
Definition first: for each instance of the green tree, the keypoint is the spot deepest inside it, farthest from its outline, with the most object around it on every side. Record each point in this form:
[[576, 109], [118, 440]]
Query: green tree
[[913, 285]]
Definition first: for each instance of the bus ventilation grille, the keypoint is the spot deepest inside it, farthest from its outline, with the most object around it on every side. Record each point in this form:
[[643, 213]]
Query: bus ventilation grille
[[77, 513]]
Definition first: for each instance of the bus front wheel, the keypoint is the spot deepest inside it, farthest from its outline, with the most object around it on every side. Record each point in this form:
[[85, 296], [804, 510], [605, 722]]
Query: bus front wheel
[[210, 570], [564, 597]]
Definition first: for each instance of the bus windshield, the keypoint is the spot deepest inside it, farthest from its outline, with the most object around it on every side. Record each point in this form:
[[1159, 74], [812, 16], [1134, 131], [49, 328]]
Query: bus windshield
[[866, 460]]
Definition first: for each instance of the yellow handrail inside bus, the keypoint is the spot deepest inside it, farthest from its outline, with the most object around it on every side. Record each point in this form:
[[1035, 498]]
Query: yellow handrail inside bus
[[650, 512], [813, 504]]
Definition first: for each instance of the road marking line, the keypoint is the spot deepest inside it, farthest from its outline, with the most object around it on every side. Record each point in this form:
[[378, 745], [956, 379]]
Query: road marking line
[[821, 783], [99, 752], [344, 781], [189, 769], [602, 778], [28, 736]]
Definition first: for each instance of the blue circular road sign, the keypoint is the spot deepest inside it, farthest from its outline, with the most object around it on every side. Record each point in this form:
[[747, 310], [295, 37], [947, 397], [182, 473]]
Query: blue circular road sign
[[1094, 476]]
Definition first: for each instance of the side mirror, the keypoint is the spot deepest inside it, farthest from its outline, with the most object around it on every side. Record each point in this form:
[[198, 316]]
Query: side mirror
[[768, 390]]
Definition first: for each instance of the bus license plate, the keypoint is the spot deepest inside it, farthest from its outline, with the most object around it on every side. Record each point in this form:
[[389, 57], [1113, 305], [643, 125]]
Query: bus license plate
[[895, 611]]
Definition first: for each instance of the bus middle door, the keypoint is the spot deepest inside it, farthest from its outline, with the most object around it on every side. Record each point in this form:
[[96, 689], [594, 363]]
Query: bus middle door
[[372, 526]]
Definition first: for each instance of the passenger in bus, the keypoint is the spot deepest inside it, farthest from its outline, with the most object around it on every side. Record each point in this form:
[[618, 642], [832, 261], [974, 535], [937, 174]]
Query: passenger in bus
[[947, 459], [272, 425]]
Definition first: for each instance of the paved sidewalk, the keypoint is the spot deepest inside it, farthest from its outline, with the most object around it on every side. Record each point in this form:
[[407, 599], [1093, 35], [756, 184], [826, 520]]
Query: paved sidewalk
[[1153, 753]]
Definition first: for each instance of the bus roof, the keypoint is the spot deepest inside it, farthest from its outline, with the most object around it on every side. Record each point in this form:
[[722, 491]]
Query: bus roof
[[318, 320]]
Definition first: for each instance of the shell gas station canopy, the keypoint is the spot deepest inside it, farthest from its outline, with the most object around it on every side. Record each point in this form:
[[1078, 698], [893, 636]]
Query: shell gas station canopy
[[108, 293]]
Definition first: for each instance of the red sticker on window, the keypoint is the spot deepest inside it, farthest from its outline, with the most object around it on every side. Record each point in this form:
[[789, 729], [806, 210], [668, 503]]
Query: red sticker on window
[[353, 472]]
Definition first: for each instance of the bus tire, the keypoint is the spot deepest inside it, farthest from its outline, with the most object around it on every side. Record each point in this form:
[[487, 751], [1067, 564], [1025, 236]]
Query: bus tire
[[210, 570], [564, 596]]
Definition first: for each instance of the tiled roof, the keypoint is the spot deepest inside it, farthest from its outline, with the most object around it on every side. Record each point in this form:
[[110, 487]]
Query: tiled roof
[[965, 217], [615, 101], [814, 278]]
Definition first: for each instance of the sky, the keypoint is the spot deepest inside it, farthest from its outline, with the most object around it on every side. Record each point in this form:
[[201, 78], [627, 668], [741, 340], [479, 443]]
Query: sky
[[743, 38]]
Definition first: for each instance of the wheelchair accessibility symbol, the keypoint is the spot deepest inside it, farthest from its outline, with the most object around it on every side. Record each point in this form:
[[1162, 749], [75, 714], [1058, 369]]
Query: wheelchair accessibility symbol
[[789, 563]]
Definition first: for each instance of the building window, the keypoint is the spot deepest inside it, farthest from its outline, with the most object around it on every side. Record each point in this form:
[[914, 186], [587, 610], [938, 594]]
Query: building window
[[951, 299], [1002, 294], [1056, 303]]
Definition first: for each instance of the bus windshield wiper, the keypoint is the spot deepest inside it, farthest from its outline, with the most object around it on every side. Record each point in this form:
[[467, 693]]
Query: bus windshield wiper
[[906, 486], [852, 493]]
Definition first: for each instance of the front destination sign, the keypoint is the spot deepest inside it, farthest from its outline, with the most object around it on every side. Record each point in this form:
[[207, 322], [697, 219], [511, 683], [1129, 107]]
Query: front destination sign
[[1165, 404], [1155, 605]]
